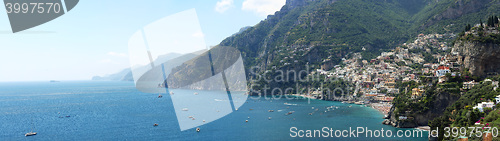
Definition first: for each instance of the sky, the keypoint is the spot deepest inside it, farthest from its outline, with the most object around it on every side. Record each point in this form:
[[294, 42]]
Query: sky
[[92, 38]]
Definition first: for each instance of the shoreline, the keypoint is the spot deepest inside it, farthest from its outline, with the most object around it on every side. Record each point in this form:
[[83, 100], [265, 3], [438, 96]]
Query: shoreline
[[383, 108]]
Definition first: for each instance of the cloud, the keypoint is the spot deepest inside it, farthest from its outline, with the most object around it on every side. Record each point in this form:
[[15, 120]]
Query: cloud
[[223, 5], [198, 35], [263, 7], [115, 54]]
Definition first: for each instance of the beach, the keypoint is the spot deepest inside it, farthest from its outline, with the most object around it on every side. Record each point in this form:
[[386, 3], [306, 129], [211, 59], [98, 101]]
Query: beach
[[384, 108]]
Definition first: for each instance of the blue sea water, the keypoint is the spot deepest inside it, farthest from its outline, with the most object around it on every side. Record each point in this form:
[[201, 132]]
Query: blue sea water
[[108, 110]]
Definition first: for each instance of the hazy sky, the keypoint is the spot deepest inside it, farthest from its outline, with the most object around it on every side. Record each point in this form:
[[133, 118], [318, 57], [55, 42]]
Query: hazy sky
[[92, 38]]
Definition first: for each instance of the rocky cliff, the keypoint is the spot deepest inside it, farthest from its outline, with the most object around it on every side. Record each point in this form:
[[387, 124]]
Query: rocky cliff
[[439, 104], [480, 59]]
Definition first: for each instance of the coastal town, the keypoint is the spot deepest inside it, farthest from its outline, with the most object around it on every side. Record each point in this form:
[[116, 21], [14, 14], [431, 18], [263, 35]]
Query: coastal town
[[376, 80]]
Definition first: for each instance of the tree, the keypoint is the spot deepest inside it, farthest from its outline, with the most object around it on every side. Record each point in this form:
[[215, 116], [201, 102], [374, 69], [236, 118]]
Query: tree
[[467, 27], [496, 20], [489, 21], [481, 21]]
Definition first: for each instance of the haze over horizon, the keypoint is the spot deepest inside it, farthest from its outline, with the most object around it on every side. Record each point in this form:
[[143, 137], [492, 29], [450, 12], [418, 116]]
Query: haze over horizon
[[91, 40]]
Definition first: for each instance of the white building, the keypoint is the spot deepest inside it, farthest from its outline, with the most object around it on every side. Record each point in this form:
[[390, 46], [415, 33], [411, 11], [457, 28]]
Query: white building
[[483, 105], [442, 70]]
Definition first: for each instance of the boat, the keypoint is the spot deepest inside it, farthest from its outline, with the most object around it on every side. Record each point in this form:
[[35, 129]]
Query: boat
[[160, 96], [30, 134], [197, 129], [185, 109], [246, 120], [289, 113], [171, 93], [155, 125], [271, 111], [195, 93], [350, 106], [269, 118]]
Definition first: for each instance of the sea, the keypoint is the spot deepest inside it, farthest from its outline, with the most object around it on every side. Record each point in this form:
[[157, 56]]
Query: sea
[[116, 110]]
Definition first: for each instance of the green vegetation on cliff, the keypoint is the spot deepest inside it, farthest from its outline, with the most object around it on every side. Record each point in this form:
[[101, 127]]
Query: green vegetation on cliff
[[348, 26]]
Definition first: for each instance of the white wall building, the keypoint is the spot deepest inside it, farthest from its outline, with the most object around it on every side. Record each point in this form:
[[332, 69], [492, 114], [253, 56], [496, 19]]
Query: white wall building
[[497, 99], [483, 105]]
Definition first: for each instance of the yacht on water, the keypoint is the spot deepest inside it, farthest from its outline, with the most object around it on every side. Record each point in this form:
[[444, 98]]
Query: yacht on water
[[30, 134]]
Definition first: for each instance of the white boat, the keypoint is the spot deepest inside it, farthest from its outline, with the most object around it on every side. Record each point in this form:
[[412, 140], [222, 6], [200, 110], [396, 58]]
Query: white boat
[[195, 93], [30, 134], [185, 109], [171, 93]]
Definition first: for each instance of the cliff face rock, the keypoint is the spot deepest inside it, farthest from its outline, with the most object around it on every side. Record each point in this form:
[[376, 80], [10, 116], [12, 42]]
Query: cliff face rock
[[456, 9], [461, 7], [480, 58], [441, 101]]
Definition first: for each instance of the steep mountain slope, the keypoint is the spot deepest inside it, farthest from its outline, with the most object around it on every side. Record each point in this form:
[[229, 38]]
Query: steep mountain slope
[[321, 32], [452, 15]]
